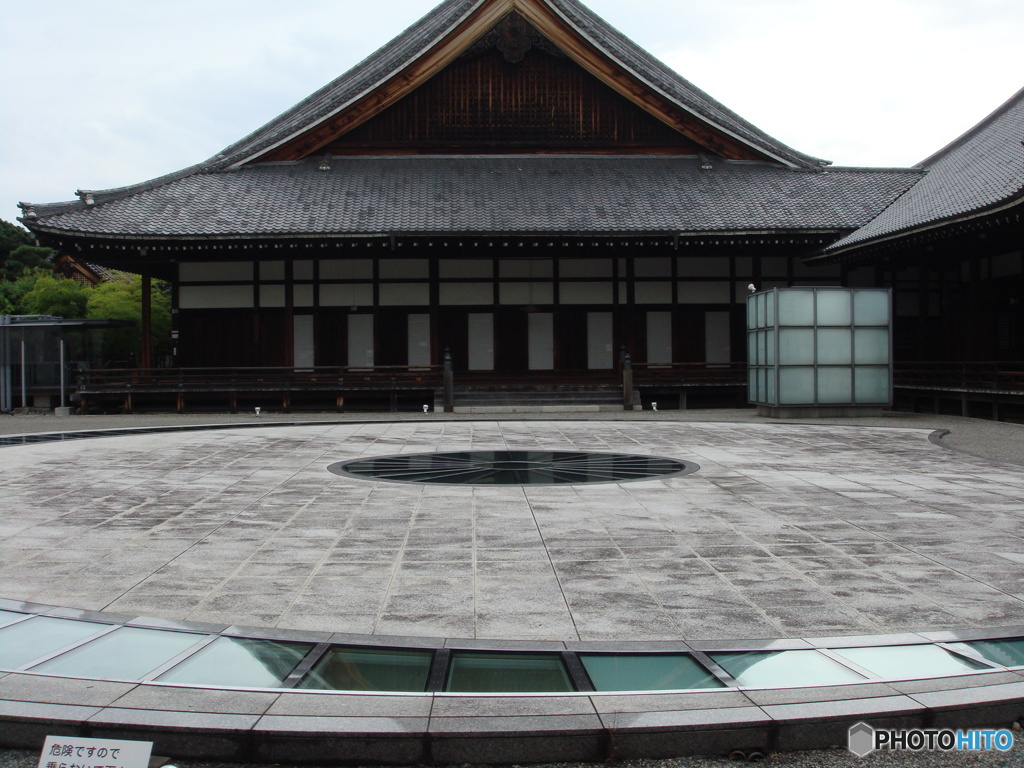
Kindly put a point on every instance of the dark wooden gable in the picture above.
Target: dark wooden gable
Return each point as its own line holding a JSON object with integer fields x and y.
{"x": 513, "y": 91}
{"x": 512, "y": 77}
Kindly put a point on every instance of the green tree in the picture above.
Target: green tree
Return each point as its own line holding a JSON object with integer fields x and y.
{"x": 123, "y": 301}
{"x": 11, "y": 236}
{"x": 25, "y": 257}
{"x": 57, "y": 296}
{"x": 17, "y": 252}
{"x": 13, "y": 292}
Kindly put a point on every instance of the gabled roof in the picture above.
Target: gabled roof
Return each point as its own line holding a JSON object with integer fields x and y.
{"x": 436, "y": 40}
{"x": 456, "y": 24}
{"x": 979, "y": 173}
{"x": 545, "y": 194}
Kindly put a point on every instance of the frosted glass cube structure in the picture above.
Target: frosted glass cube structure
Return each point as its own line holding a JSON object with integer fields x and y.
{"x": 819, "y": 348}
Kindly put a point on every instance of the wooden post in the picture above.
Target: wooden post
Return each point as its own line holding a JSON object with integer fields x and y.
{"x": 63, "y": 374}
{"x": 449, "y": 383}
{"x": 24, "y": 373}
{"x": 146, "y": 352}
{"x": 627, "y": 383}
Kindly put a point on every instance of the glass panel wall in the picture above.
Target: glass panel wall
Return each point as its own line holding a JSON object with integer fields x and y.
{"x": 820, "y": 346}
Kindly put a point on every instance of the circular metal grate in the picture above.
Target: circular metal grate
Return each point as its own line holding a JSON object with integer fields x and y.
{"x": 513, "y": 468}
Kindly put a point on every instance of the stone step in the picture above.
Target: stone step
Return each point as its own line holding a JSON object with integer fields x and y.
{"x": 551, "y": 409}
{"x": 504, "y": 399}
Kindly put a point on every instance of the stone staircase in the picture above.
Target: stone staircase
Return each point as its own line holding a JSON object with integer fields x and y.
{"x": 508, "y": 399}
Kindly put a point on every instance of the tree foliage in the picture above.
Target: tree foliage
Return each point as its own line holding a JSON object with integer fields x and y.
{"x": 58, "y": 296}
{"x": 21, "y": 265}
{"x": 28, "y": 286}
{"x": 17, "y": 253}
{"x": 11, "y": 236}
{"x": 123, "y": 301}
{"x": 25, "y": 257}
{"x": 12, "y": 292}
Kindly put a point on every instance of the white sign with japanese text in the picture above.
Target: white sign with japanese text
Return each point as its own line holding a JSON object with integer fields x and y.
{"x": 75, "y": 752}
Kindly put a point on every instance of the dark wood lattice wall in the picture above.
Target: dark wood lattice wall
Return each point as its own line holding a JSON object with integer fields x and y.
{"x": 486, "y": 103}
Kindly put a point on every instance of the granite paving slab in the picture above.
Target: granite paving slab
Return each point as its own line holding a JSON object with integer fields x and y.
{"x": 786, "y": 530}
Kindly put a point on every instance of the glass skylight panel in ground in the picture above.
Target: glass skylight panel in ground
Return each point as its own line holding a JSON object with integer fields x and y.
{"x": 904, "y": 662}
{"x": 6, "y": 617}
{"x": 236, "y": 662}
{"x": 777, "y": 669}
{"x": 1008, "y": 652}
{"x": 128, "y": 653}
{"x": 371, "y": 669}
{"x": 40, "y": 636}
{"x": 513, "y": 468}
{"x": 479, "y": 672}
{"x": 646, "y": 672}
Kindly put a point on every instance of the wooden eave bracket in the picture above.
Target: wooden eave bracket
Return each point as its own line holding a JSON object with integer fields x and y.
{"x": 556, "y": 28}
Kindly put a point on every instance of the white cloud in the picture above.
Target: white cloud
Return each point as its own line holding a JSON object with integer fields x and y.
{"x": 871, "y": 83}
{"x": 113, "y": 92}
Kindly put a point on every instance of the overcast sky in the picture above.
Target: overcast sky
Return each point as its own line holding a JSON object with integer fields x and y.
{"x": 105, "y": 93}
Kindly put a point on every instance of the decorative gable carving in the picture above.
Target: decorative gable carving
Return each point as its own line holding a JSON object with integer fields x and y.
{"x": 514, "y": 36}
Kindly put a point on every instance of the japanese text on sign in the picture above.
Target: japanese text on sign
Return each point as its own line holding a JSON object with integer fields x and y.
{"x": 74, "y": 752}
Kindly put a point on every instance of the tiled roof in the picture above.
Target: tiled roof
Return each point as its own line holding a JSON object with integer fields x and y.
{"x": 979, "y": 171}
{"x": 500, "y": 194}
{"x": 418, "y": 38}
{"x": 415, "y": 41}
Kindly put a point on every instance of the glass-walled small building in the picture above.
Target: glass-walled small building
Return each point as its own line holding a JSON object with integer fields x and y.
{"x": 34, "y": 352}
{"x": 820, "y": 351}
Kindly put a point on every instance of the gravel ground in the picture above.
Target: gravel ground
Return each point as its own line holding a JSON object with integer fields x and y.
{"x": 831, "y": 758}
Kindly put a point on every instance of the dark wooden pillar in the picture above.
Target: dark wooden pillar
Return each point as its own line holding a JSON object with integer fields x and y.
{"x": 634, "y": 325}
{"x": 924, "y": 346}
{"x": 289, "y": 317}
{"x": 146, "y": 352}
{"x": 974, "y": 348}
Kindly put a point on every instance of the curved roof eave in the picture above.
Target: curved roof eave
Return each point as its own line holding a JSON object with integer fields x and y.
{"x": 841, "y": 248}
{"x": 978, "y": 174}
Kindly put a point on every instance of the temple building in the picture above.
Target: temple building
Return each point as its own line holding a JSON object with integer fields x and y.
{"x": 515, "y": 183}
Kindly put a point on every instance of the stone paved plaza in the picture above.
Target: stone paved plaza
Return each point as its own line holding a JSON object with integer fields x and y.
{"x": 787, "y": 530}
